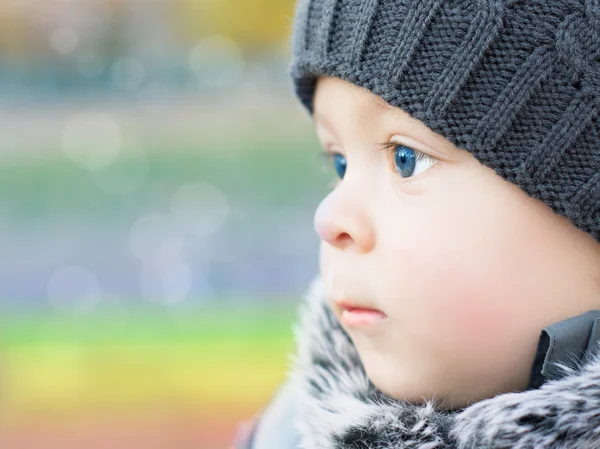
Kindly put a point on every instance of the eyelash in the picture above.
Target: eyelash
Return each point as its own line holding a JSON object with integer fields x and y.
{"x": 390, "y": 148}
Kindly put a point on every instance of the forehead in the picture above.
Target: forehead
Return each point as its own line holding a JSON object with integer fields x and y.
{"x": 333, "y": 95}
{"x": 340, "y": 102}
{"x": 342, "y": 106}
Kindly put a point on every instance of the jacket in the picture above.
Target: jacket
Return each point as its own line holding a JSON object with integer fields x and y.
{"x": 328, "y": 402}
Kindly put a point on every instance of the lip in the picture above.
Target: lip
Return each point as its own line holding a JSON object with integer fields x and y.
{"x": 355, "y": 314}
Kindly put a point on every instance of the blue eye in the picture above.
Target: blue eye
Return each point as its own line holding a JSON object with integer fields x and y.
{"x": 406, "y": 160}
{"x": 339, "y": 162}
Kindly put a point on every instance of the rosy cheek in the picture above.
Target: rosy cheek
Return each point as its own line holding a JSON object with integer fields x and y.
{"x": 467, "y": 304}
{"x": 452, "y": 300}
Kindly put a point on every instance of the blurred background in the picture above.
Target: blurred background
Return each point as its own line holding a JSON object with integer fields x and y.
{"x": 157, "y": 187}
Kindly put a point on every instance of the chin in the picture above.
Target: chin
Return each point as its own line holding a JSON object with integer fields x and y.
{"x": 398, "y": 393}
{"x": 406, "y": 388}
{"x": 415, "y": 394}
{"x": 394, "y": 386}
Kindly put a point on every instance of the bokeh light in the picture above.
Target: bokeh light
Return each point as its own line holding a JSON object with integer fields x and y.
{"x": 166, "y": 279}
{"x": 199, "y": 208}
{"x": 64, "y": 40}
{"x": 92, "y": 140}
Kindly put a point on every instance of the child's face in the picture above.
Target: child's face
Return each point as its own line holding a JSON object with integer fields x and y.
{"x": 467, "y": 267}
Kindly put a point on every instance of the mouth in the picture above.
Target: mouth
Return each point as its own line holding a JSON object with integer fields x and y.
{"x": 355, "y": 314}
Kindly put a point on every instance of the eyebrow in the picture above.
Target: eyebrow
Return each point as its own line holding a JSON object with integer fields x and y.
{"x": 380, "y": 106}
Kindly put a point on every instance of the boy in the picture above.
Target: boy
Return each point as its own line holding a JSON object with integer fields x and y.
{"x": 459, "y": 292}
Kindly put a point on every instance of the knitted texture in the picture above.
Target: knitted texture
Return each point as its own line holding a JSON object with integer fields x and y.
{"x": 516, "y": 83}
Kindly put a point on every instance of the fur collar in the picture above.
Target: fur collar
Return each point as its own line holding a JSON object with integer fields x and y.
{"x": 340, "y": 408}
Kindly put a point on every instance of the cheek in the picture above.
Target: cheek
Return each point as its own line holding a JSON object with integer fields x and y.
{"x": 449, "y": 295}
{"x": 468, "y": 303}
{"x": 460, "y": 289}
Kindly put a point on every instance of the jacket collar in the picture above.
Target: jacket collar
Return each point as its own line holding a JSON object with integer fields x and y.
{"x": 341, "y": 409}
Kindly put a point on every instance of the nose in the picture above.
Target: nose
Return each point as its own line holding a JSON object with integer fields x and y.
{"x": 342, "y": 220}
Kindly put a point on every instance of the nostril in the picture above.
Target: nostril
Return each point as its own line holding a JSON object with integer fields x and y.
{"x": 344, "y": 238}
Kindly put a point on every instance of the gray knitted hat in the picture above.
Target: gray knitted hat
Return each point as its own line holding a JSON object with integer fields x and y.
{"x": 516, "y": 83}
